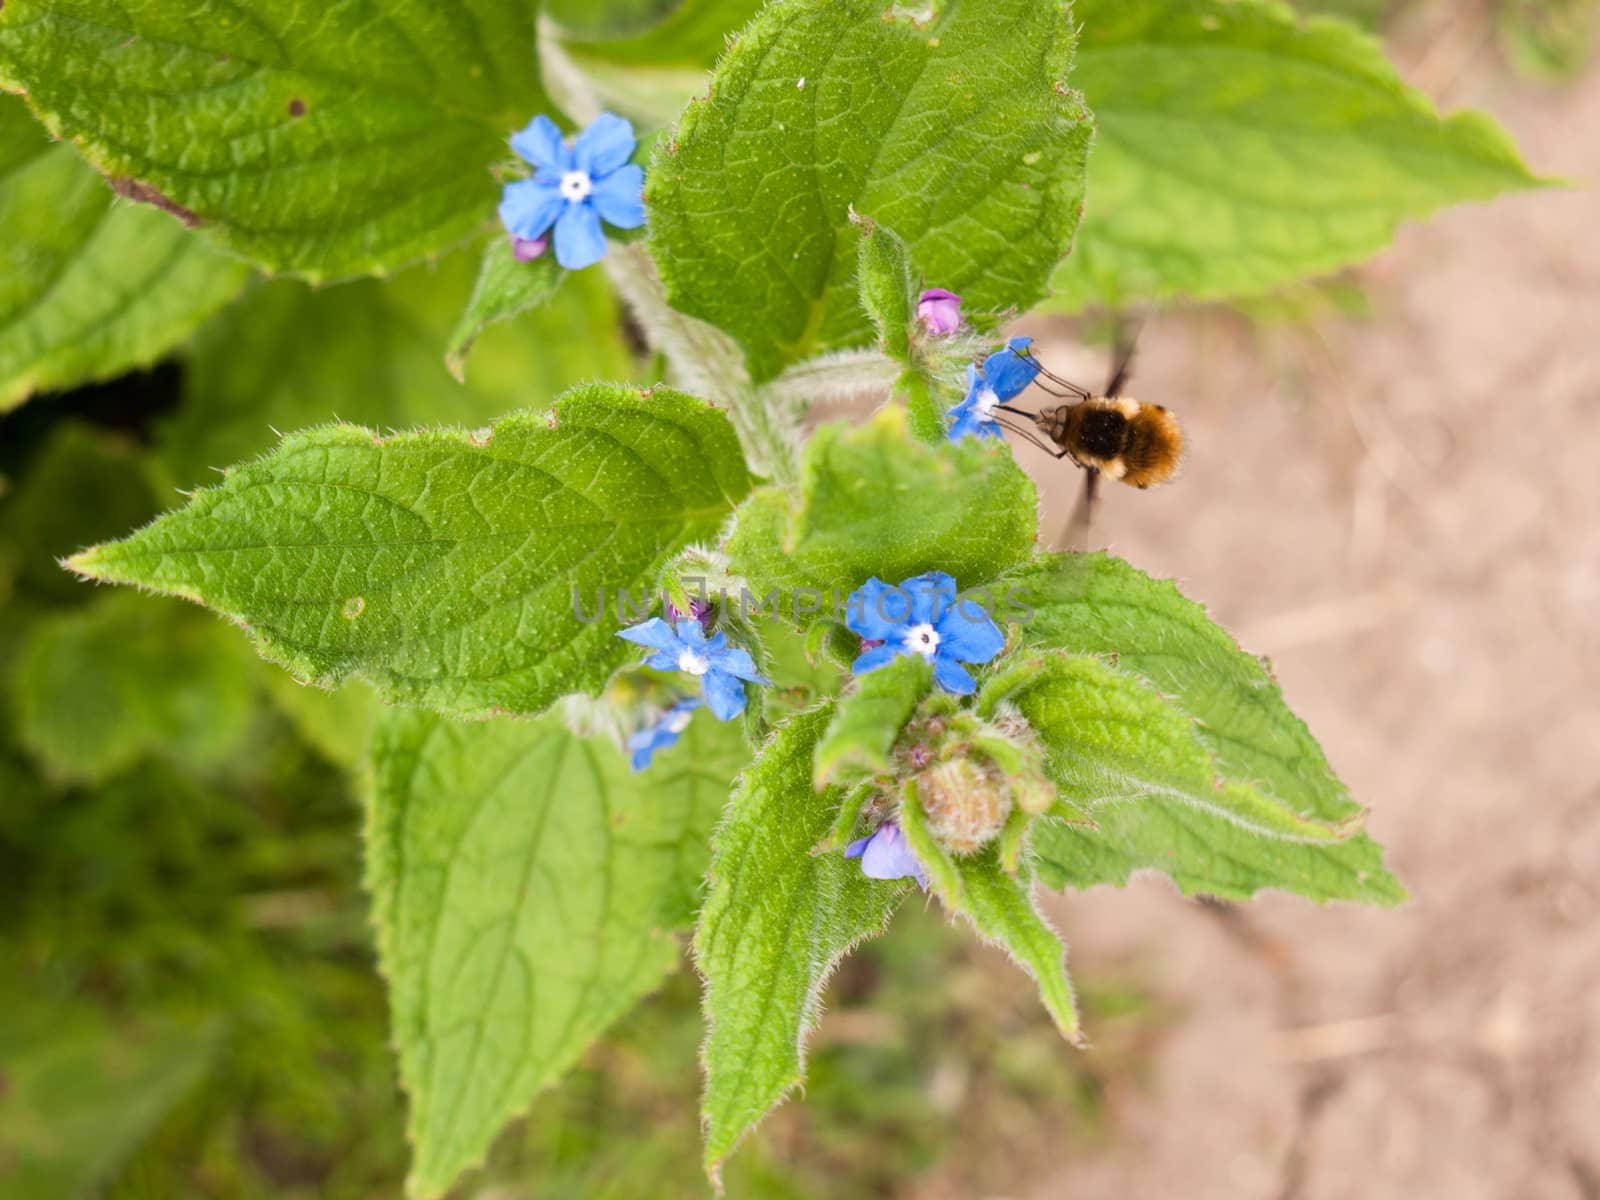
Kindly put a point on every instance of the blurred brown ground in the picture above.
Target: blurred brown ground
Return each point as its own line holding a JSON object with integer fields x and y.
{"x": 1404, "y": 515}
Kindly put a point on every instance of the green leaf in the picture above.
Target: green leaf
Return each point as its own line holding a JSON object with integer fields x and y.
{"x": 81, "y": 1091}
{"x": 1146, "y": 629}
{"x": 1115, "y": 740}
{"x": 328, "y": 142}
{"x": 958, "y": 133}
{"x": 505, "y": 288}
{"x": 90, "y": 286}
{"x": 1002, "y": 911}
{"x": 775, "y": 923}
{"x": 692, "y": 34}
{"x": 526, "y": 888}
{"x": 888, "y": 288}
{"x": 876, "y": 502}
{"x": 443, "y": 566}
{"x": 95, "y": 690}
{"x": 290, "y": 356}
{"x": 1239, "y": 149}
{"x": 868, "y": 720}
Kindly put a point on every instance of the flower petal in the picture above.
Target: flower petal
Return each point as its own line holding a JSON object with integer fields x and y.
{"x": 952, "y": 676}
{"x": 604, "y": 146}
{"x": 738, "y": 662}
{"x": 619, "y": 197}
{"x": 528, "y": 209}
{"x": 724, "y": 694}
{"x": 540, "y": 144}
{"x": 663, "y": 660}
{"x": 1008, "y": 372}
{"x": 875, "y": 610}
{"x": 888, "y": 856}
{"x": 858, "y": 847}
{"x": 933, "y": 593}
{"x": 580, "y": 242}
{"x": 878, "y": 656}
{"x": 968, "y": 634}
{"x": 693, "y": 634}
{"x": 655, "y": 633}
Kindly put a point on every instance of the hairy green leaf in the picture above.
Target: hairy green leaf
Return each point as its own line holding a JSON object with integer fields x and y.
{"x": 443, "y": 566}
{"x": 868, "y": 720}
{"x": 290, "y": 356}
{"x": 888, "y": 288}
{"x": 505, "y": 287}
{"x": 1001, "y": 909}
{"x": 877, "y": 502}
{"x": 90, "y": 286}
{"x": 775, "y": 923}
{"x": 526, "y": 889}
{"x": 97, "y": 689}
{"x": 959, "y": 133}
{"x": 1114, "y": 740}
{"x": 1146, "y": 629}
{"x": 1239, "y": 149}
{"x": 328, "y": 141}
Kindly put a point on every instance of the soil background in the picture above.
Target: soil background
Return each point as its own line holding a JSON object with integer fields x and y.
{"x": 1403, "y": 513}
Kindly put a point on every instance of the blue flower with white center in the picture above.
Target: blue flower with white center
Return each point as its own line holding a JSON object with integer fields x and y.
{"x": 886, "y": 854}
{"x": 1006, "y": 374}
{"x": 923, "y": 616}
{"x": 575, "y": 188}
{"x": 665, "y": 732}
{"x": 685, "y": 647}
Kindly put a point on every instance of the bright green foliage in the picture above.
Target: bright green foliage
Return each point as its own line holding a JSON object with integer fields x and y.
{"x": 90, "y": 286}
{"x": 888, "y": 288}
{"x": 1239, "y": 150}
{"x": 290, "y": 356}
{"x": 1115, "y": 740}
{"x": 867, "y": 721}
{"x": 1098, "y": 605}
{"x": 328, "y": 140}
{"x": 1002, "y": 910}
{"x": 775, "y": 923}
{"x": 442, "y": 566}
{"x": 97, "y": 689}
{"x": 526, "y": 889}
{"x": 877, "y": 502}
{"x": 958, "y": 133}
{"x": 505, "y": 287}
{"x": 81, "y": 1091}
{"x": 82, "y": 486}
{"x": 692, "y": 34}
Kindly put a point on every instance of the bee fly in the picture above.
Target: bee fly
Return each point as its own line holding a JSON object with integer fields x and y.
{"x": 1110, "y": 434}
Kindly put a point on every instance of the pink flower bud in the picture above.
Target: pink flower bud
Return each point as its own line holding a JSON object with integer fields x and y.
{"x": 939, "y": 311}
{"x": 528, "y": 249}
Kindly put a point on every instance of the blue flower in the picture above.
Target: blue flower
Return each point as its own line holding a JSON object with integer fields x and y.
{"x": 685, "y": 647}
{"x": 887, "y": 855}
{"x": 574, "y": 188}
{"x": 665, "y": 732}
{"x": 1006, "y": 375}
{"x": 923, "y": 616}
